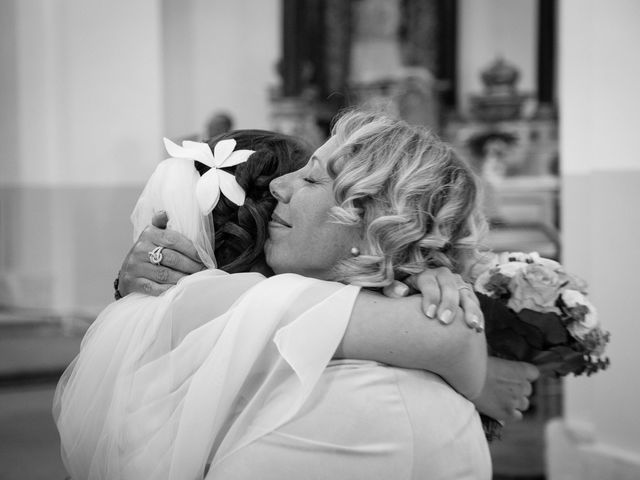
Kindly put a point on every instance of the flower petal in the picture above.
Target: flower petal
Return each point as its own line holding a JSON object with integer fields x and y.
{"x": 200, "y": 150}
{"x": 239, "y": 156}
{"x": 190, "y": 150}
{"x": 208, "y": 191}
{"x": 176, "y": 151}
{"x": 222, "y": 150}
{"x": 230, "y": 188}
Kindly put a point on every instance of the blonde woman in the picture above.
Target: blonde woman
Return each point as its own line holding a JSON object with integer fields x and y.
{"x": 379, "y": 201}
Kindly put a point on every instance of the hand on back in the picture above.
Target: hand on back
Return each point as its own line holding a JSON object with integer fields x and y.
{"x": 179, "y": 259}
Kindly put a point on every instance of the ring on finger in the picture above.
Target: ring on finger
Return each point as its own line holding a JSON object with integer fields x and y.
{"x": 465, "y": 287}
{"x": 155, "y": 255}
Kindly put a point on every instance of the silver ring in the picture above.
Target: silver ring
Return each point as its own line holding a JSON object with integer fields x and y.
{"x": 465, "y": 287}
{"x": 155, "y": 255}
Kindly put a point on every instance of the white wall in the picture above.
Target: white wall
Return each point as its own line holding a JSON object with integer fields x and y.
{"x": 219, "y": 55}
{"x": 88, "y": 88}
{"x": 81, "y": 126}
{"x": 8, "y": 97}
{"x": 599, "y": 437}
{"x": 489, "y": 29}
{"x": 88, "y": 91}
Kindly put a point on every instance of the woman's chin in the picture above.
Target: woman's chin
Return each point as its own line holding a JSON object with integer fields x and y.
{"x": 270, "y": 255}
{"x": 276, "y": 257}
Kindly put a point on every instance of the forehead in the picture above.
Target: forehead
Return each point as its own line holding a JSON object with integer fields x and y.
{"x": 326, "y": 150}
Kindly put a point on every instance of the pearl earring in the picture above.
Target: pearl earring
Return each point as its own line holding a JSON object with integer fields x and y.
{"x": 355, "y": 251}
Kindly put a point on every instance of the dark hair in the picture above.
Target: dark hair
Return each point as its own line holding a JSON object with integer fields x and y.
{"x": 240, "y": 232}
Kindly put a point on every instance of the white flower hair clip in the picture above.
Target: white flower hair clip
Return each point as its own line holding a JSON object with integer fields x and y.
{"x": 215, "y": 180}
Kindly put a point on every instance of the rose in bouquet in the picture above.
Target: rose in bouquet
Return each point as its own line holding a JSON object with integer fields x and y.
{"x": 539, "y": 313}
{"x": 536, "y": 312}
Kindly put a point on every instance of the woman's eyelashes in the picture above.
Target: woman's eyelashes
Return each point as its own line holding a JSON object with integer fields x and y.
{"x": 315, "y": 176}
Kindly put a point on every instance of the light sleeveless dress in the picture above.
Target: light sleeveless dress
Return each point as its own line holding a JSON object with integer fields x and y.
{"x": 369, "y": 421}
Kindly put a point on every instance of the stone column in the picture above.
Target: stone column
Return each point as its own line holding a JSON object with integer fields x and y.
{"x": 82, "y": 103}
{"x": 598, "y": 438}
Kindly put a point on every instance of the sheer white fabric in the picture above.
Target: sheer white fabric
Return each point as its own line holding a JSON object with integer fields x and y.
{"x": 249, "y": 391}
{"x": 159, "y": 382}
{"x": 142, "y": 402}
{"x": 172, "y": 188}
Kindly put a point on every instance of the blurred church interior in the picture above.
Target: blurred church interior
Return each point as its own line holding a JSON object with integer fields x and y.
{"x": 538, "y": 95}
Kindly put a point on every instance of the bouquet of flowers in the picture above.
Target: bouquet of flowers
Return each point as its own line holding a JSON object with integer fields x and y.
{"x": 536, "y": 312}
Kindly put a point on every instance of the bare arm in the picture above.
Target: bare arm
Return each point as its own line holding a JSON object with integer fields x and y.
{"x": 396, "y": 332}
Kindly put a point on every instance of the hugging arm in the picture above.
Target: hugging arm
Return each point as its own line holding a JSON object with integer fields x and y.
{"x": 393, "y": 332}
{"x": 396, "y": 332}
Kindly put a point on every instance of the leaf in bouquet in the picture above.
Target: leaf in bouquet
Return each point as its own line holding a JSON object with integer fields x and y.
{"x": 575, "y": 364}
{"x": 559, "y": 360}
{"x": 543, "y": 357}
{"x": 496, "y": 314}
{"x": 530, "y": 333}
{"x": 506, "y": 343}
{"x": 596, "y": 364}
{"x": 549, "y": 324}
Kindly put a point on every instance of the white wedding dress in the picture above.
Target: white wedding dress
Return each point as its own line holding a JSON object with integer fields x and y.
{"x": 230, "y": 377}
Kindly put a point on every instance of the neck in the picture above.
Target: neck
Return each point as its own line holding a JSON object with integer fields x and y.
{"x": 263, "y": 268}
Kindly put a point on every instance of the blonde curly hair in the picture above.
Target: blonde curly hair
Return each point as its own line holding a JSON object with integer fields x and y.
{"x": 414, "y": 199}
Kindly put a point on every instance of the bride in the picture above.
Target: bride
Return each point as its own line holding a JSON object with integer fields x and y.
{"x": 233, "y": 371}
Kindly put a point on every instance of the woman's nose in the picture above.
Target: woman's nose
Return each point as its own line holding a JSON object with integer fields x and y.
{"x": 277, "y": 187}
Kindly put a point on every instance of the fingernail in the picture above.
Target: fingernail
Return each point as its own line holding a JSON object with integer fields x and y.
{"x": 480, "y": 327}
{"x": 431, "y": 311}
{"x": 401, "y": 289}
{"x": 473, "y": 321}
{"x": 446, "y": 317}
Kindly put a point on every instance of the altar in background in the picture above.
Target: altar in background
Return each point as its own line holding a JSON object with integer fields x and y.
{"x": 512, "y": 143}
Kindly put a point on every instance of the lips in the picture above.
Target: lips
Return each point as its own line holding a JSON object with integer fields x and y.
{"x": 275, "y": 218}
